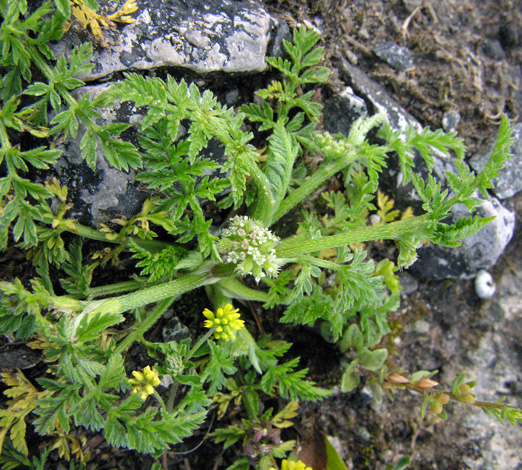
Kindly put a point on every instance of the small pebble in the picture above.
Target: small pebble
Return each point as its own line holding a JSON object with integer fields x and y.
{"x": 408, "y": 283}
{"x": 484, "y": 285}
{"x": 493, "y": 49}
{"x": 450, "y": 120}
{"x": 421, "y": 327}
{"x": 398, "y": 57}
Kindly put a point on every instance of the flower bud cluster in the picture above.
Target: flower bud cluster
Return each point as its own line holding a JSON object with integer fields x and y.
{"x": 332, "y": 145}
{"x": 438, "y": 401}
{"x": 465, "y": 395}
{"x": 249, "y": 246}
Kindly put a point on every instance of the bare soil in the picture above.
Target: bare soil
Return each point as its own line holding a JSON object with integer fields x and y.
{"x": 466, "y": 54}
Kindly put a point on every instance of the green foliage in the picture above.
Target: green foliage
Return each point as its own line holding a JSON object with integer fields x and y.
{"x": 77, "y": 284}
{"x": 403, "y": 462}
{"x": 425, "y": 142}
{"x": 329, "y": 280}
{"x": 160, "y": 265}
{"x": 24, "y": 42}
{"x": 291, "y": 384}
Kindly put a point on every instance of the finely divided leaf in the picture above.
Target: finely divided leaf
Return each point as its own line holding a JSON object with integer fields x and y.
{"x": 292, "y": 384}
{"x": 450, "y": 235}
{"x": 92, "y": 324}
{"x": 282, "y": 152}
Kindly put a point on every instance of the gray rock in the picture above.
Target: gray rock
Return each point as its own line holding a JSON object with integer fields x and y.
{"x": 342, "y": 110}
{"x": 211, "y": 36}
{"x": 363, "y": 434}
{"x": 377, "y": 99}
{"x": 421, "y": 327}
{"x": 281, "y": 33}
{"x": 509, "y": 180}
{"x": 495, "y": 365}
{"x": 480, "y": 251}
{"x": 493, "y": 49}
{"x": 510, "y": 34}
{"x": 450, "y": 120}
{"x": 174, "y": 330}
{"x": 396, "y": 56}
{"x": 100, "y": 195}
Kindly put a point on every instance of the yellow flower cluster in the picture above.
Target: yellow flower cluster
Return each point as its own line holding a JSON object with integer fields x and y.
{"x": 225, "y": 320}
{"x": 144, "y": 382}
{"x": 289, "y": 465}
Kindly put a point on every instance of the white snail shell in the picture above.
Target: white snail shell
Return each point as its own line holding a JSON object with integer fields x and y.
{"x": 484, "y": 285}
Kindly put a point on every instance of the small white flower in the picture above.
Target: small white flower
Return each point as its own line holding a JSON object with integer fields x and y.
{"x": 249, "y": 246}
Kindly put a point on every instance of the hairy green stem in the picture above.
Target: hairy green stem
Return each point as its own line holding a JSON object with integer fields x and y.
{"x": 393, "y": 230}
{"x": 200, "y": 342}
{"x": 173, "y": 391}
{"x": 152, "y": 317}
{"x": 93, "y": 234}
{"x": 165, "y": 294}
{"x": 155, "y": 293}
{"x": 323, "y": 174}
{"x": 160, "y": 401}
{"x": 233, "y": 288}
{"x": 113, "y": 289}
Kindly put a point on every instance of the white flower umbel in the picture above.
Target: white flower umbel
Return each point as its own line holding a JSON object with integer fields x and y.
{"x": 249, "y": 246}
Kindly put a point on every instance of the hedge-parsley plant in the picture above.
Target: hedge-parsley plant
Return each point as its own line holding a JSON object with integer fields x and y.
{"x": 87, "y": 385}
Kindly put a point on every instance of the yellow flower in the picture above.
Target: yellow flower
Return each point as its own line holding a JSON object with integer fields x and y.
{"x": 289, "y": 465}
{"x": 225, "y": 320}
{"x": 144, "y": 382}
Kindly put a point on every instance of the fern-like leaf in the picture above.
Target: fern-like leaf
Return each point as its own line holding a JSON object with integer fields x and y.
{"x": 450, "y": 235}
{"x": 282, "y": 152}
{"x": 292, "y": 384}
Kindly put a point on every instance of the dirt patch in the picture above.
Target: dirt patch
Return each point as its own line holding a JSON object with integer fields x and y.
{"x": 466, "y": 54}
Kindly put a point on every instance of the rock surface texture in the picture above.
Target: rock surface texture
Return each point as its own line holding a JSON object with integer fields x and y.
{"x": 201, "y": 36}
{"x": 102, "y": 194}
{"x": 509, "y": 180}
{"x": 398, "y": 57}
